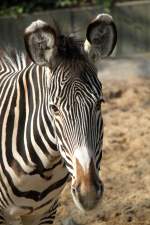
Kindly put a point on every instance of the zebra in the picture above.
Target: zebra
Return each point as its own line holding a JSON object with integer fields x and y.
{"x": 51, "y": 126}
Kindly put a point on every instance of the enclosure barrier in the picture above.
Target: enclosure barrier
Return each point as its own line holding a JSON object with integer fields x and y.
{"x": 132, "y": 19}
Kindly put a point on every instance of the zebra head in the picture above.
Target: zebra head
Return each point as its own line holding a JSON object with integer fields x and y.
{"x": 75, "y": 97}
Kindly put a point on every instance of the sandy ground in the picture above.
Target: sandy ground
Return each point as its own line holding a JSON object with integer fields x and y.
{"x": 125, "y": 168}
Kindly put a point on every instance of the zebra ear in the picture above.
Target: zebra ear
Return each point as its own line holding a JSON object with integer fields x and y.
{"x": 101, "y": 37}
{"x": 40, "y": 42}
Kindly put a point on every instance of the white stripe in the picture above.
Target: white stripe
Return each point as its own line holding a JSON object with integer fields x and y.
{"x": 31, "y": 163}
{"x": 84, "y": 157}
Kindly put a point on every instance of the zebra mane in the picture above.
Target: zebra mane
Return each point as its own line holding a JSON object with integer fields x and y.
{"x": 70, "y": 47}
{"x": 16, "y": 59}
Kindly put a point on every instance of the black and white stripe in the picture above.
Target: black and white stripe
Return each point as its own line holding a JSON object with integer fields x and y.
{"x": 50, "y": 116}
{"x": 79, "y": 107}
{"x": 31, "y": 171}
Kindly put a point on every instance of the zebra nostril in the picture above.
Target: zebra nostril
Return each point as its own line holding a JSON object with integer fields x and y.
{"x": 76, "y": 189}
{"x": 73, "y": 190}
{"x": 100, "y": 190}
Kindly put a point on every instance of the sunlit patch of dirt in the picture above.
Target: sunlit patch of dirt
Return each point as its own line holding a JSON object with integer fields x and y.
{"x": 125, "y": 168}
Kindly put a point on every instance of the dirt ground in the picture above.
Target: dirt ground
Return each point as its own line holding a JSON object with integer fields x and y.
{"x": 125, "y": 168}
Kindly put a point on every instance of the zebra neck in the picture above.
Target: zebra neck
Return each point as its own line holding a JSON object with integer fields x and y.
{"x": 26, "y": 130}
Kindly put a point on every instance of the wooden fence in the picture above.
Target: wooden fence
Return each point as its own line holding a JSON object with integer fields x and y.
{"x": 69, "y": 21}
{"x": 133, "y": 25}
{"x": 132, "y": 19}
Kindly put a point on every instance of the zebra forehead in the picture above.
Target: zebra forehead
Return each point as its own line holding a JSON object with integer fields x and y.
{"x": 78, "y": 86}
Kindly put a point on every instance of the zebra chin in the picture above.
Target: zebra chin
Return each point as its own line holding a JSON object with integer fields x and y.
{"x": 86, "y": 188}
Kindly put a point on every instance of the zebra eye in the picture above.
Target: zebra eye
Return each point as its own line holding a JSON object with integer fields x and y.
{"x": 98, "y": 105}
{"x": 54, "y": 109}
{"x": 99, "y": 102}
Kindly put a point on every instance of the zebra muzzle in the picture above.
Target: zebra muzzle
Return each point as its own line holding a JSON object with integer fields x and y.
{"x": 87, "y": 200}
{"x": 87, "y": 188}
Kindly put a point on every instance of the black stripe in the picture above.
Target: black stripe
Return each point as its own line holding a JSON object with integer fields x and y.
{"x": 35, "y": 195}
{"x": 21, "y": 122}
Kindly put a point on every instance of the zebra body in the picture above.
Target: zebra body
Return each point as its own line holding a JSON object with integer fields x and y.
{"x": 30, "y": 162}
{"x": 50, "y": 123}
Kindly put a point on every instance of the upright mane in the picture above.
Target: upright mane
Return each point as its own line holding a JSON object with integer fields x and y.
{"x": 18, "y": 60}
{"x": 70, "y": 47}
